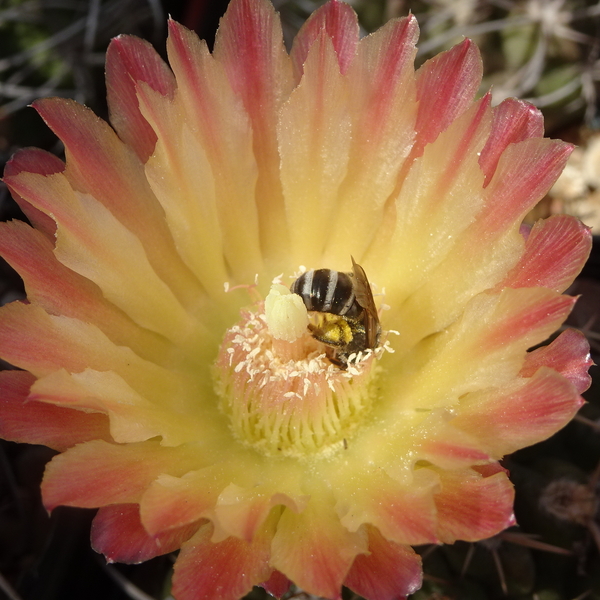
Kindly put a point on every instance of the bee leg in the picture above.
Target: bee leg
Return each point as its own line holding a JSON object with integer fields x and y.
{"x": 335, "y": 358}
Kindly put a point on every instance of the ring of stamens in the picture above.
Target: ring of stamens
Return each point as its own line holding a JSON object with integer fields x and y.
{"x": 286, "y": 398}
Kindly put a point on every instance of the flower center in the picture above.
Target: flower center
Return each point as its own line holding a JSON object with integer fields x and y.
{"x": 281, "y": 392}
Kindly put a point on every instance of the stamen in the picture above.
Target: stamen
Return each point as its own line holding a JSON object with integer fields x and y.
{"x": 280, "y": 391}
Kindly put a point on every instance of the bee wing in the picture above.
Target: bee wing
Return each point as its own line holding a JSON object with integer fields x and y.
{"x": 364, "y": 296}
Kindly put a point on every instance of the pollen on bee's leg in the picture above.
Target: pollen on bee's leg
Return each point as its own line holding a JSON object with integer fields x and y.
{"x": 281, "y": 393}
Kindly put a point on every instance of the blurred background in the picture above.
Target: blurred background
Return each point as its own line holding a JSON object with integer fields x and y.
{"x": 544, "y": 51}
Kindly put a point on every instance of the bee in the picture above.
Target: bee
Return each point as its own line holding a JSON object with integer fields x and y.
{"x": 344, "y": 316}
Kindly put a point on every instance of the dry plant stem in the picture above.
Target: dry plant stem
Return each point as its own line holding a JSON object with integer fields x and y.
{"x": 468, "y": 558}
{"x": 125, "y": 585}
{"x": 527, "y": 541}
{"x": 500, "y": 571}
{"x": 586, "y": 421}
{"x": 10, "y": 592}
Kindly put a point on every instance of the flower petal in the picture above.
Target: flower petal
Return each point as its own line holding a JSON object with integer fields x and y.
{"x": 466, "y": 357}
{"x": 93, "y": 243}
{"x": 218, "y": 117}
{"x": 249, "y": 45}
{"x": 98, "y": 473}
{"x": 472, "y": 507}
{"x": 555, "y": 252}
{"x": 403, "y": 511}
{"x": 277, "y": 585}
{"x": 446, "y": 86}
{"x": 133, "y": 417}
{"x": 492, "y": 245}
{"x": 523, "y": 413}
{"x": 211, "y": 492}
{"x": 33, "y": 160}
{"x": 447, "y": 447}
{"x": 431, "y": 212}
{"x": 314, "y": 138}
{"x": 117, "y": 532}
{"x": 241, "y": 511}
{"x": 32, "y": 422}
{"x": 569, "y": 354}
{"x": 226, "y": 570}
{"x": 33, "y": 340}
{"x": 182, "y": 179}
{"x": 383, "y": 107}
{"x": 59, "y": 290}
{"x": 339, "y": 22}
{"x": 109, "y": 171}
{"x": 42, "y": 343}
{"x": 513, "y": 121}
{"x": 172, "y": 502}
{"x": 389, "y": 572}
{"x": 314, "y": 550}
{"x": 525, "y": 172}
{"x": 128, "y": 61}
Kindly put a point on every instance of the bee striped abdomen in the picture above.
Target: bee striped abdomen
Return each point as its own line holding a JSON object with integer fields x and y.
{"x": 325, "y": 290}
{"x": 342, "y": 312}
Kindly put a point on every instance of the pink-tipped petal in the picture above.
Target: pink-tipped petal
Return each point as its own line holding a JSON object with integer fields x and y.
{"x": 314, "y": 133}
{"x": 43, "y": 344}
{"x": 117, "y": 532}
{"x": 555, "y": 252}
{"x": 249, "y": 45}
{"x": 32, "y": 422}
{"x": 314, "y": 550}
{"x": 451, "y": 449}
{"x": 485, "y": 347}
{"x": 489, "y": 248}
{"x": 513, "y": 121}
{"x": 472, "y": 507}
{"x": 133, "y": 415}
{"x": 242, "y": 511}
{"x": 59, "y": 290}
{"x": 99, "y": 163}
{"x": 87, "y": 230}
{"x": 33, "y": 340}
{"x": 446, "y": 86}
{"x": 340, "y": 23}
{"x": 177, "y": 501}
{"x": 527, "y": 316}
{"x": 432, "y": 213}
{"x": 215, "y": 492}
{"x": 182, "y": 179}
{"x": 525, "y": 172}
{"x": 569, "y": 354}
{"x": 97, "y": 473}
{"x": 382, "y": 95}
{"x": 525, "y": 413}
{"x": 402, "y": 512}
{"x": 389, "y": 572}
{"x": 129, "y": 60}
{"x": 225, "y": 570}
{"x": 218, "y": 116}
{"x": 277, "y": 585}
{"x": 34, "y": 160}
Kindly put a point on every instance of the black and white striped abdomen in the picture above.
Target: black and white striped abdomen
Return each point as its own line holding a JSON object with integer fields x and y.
{"x": 324, "y": 290}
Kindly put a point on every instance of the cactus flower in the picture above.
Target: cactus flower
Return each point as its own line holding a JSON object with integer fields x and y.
{"x": 182, "y": 383}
